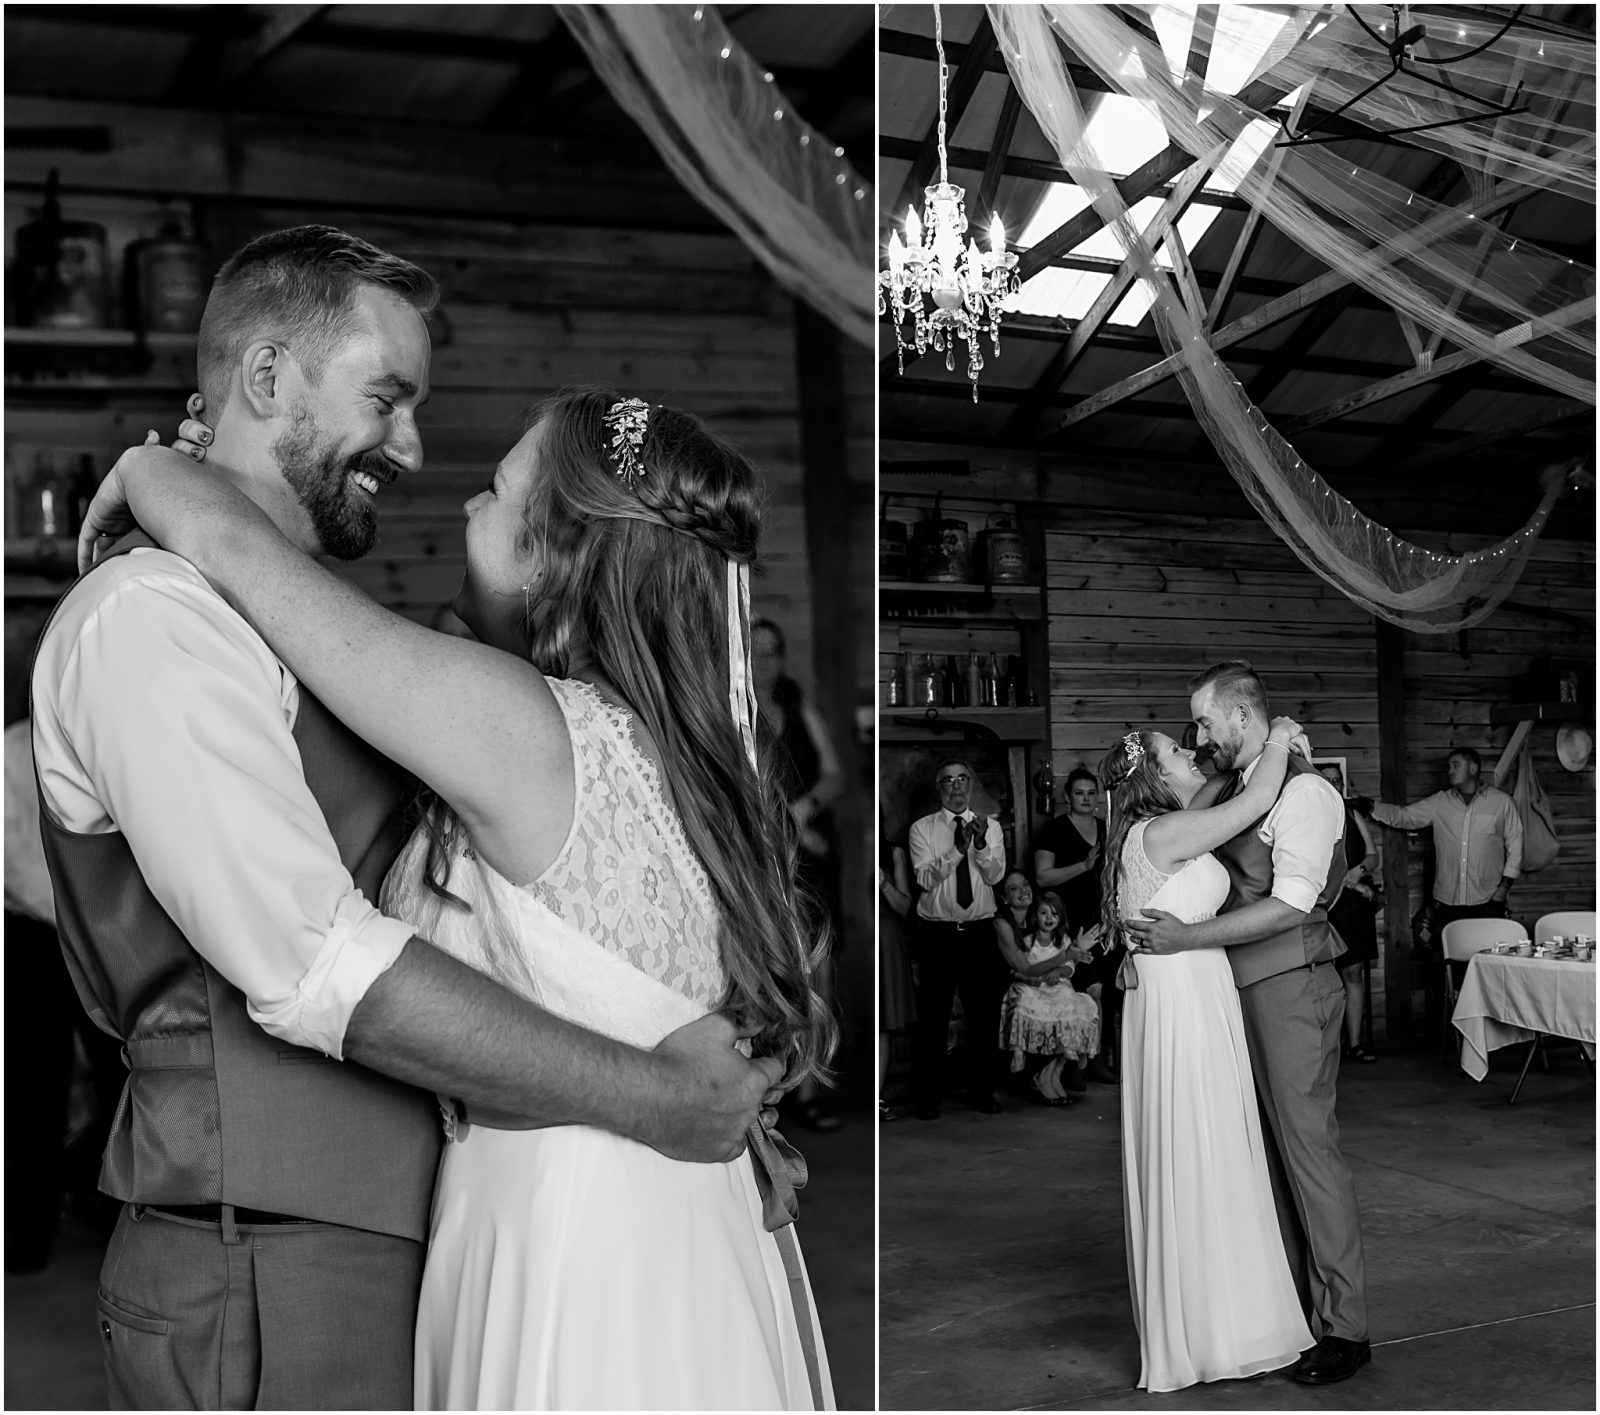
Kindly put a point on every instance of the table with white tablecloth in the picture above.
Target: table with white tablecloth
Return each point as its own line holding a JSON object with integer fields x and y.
{"x": 1507, "y": 999}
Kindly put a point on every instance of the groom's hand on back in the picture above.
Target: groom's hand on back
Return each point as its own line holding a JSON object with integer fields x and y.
{"x": 1157, "y": 932}
{"x": 714, "y": 1093}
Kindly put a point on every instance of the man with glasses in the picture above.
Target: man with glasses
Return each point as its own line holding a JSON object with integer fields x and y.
{"x": 958, "y": 856}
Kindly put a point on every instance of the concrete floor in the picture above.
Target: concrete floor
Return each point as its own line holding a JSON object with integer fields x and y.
{"x": 52, "y": 1352}
{"x": 1003, "y": 1285}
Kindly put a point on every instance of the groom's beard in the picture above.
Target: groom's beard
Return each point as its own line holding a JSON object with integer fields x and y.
{"x": 344, "y": 521}
{"x": 1225, "y": 754}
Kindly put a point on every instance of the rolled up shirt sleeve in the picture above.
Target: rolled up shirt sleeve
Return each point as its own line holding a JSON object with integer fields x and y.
{"x": 172, "y": 716}
{"x": 1303, "y": 830}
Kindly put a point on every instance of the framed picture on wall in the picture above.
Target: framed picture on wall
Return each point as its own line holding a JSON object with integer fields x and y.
{"x": 1344, "y": 775}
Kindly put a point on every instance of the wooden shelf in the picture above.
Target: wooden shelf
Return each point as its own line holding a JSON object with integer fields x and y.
{"x": 97, "y": 339}
{"x": 1539, "y": 712}
{"x": 912, "y": 599}
{"x": 1018, "y": 725}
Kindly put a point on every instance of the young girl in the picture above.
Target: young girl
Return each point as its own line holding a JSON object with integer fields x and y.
{"x": 1042, "y": 1015}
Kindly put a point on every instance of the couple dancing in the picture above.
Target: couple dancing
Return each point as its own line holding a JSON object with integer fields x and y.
{"x": 599, "y": 882}
{"x": 1233, "y": 1013}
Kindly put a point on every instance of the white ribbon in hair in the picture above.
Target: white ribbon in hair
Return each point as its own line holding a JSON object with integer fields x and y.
{"x": 741, "y": 687}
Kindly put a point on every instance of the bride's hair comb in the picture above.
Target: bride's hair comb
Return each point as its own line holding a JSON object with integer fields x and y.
{"x": 628, "y": 419}
{"x": 1134, "y": 749}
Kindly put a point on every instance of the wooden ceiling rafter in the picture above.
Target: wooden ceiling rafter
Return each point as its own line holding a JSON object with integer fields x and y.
{"x": 1437, "y": 369}
{"x": 1459, "y": 448}
{"x": 224, "y": 54}
{"x": 1059, "y": 369}
{"x": 1297, "y": 300}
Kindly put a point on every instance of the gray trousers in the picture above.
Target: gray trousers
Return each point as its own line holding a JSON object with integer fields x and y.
{"x": 272, "y": 1317}
{"x": 1292, "y": 1025}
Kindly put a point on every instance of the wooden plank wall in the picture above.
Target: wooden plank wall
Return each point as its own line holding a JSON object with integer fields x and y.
{"x": 1139, "y": 604}
{"x": 1452, "y": 680}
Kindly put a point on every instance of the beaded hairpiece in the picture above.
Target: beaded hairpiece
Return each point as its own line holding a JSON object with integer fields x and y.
{"x": 1134, "y": 748}
{"x": 627, "y": 419}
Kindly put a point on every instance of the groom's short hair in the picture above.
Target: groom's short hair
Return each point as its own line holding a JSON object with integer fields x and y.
{"x": 1233, "y": 683}
{"x": 295, "y": 286}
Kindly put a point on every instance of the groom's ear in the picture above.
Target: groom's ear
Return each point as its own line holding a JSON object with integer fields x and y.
{"x": 262, "y": 369}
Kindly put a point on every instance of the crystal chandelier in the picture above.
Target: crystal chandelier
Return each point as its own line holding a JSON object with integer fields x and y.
{"x": 947, "y": 292}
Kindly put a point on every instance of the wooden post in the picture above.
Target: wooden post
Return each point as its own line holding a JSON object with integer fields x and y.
{"x": 838, "y": 611}
{"x": 1396, "y": 847}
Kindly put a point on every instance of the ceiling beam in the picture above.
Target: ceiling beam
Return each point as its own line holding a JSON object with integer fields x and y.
{"x": 1440, "y": 368}
{"x": 1290, "y": 304}
{"x": 1066, "y": 359}
{"x": 224, "y": 54}
{"x": 921, "y": 46}
{"x": 1464, "y": 447}
{"x": 994, "y": 164}
{"x": 963, "y": 84}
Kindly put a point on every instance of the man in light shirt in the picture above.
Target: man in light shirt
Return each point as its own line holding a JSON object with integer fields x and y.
{"x": 958, "y": 857}
{"x": 1477, "y": 840}
{"x": 1285, "y": 871}
{"x": 215, "y": 839}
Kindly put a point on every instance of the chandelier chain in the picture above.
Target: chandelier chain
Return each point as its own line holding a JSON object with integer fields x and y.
{"x": 938, "y": 41}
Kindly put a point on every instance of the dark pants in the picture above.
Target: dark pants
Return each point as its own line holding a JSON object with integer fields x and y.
{"x": 265, "y": 1317}
{"x": 1292, "y": 1024}
{"x": 951, "y": 959}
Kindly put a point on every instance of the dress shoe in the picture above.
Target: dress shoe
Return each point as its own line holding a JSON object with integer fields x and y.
{"x": 986, "y": 1105}
{"x": 1072, "y": 1077}
{"x": 926, "y": 1110}
{"x": 1097, "y": 1070}
{"x": 1331, "y": 1360}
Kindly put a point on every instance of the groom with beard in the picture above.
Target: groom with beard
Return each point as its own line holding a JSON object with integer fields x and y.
{"x": 1285, "y": 870}
{"x": 215, "y": 838}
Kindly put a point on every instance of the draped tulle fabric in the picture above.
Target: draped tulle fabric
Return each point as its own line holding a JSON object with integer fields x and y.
{"x": 1446, "y": 270}
{"x": 734, "y": 141}
{"x": 1212, "y": 1295}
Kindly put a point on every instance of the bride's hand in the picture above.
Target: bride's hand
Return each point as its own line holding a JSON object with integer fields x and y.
{"x": 111, "y": 513}
{"x": 194, "y": 435}
{"x": 1283, "y": 731}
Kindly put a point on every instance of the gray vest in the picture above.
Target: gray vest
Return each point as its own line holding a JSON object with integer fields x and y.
{"x": 215, "y": 1109}
{"x": 1248, "y": 860}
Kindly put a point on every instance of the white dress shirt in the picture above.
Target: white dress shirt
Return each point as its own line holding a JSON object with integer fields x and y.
{"x": 1475, "y": 843}
{"x": 1302, "y": 828}
{"x": 160, "y": 713}
{"x": 934, "y": 858}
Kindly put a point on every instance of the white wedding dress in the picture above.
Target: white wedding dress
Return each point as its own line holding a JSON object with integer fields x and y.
{"x": 1212, "y": 1295}
{"x": 568, "y": 1268}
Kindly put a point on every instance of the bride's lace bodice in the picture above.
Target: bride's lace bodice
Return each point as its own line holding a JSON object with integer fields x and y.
{"x": 1195, "y": 892}
{"x": 626, "y": 879}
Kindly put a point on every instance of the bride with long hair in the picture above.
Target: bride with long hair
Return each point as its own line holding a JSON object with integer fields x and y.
{"x": 596, "y": 832}
{"x": 1213, "y": 1298}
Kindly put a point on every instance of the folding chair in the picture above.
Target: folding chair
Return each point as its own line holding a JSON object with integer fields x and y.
{"x": 1564, "y": 925}
{"x": 1459, "y": 941}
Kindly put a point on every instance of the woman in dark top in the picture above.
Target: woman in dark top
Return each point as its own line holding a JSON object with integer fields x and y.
{"x": 897, "y": 1009}
{"x": 1354, "y": 917}
{"x": 1067, "y": 855}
